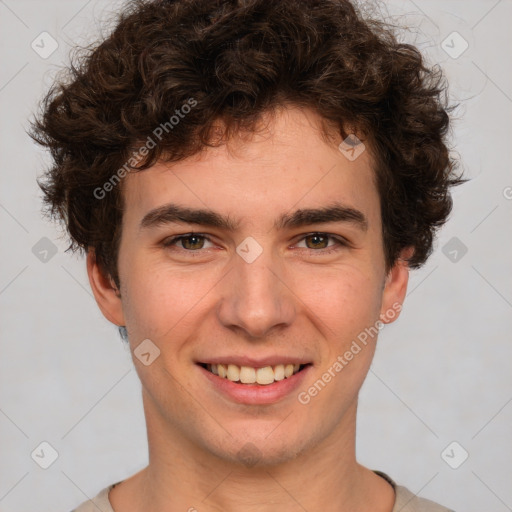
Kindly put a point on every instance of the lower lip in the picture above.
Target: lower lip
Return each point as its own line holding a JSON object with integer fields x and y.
{"x": 256, "y": 394}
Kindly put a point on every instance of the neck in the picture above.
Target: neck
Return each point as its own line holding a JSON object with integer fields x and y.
{"x": 184, "y": 476}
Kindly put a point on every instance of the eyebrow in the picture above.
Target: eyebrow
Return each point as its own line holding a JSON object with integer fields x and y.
{"x": 173, "y": 213}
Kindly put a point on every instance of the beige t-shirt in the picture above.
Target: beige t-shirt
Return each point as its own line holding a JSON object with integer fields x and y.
{"x": 405, "y": 501}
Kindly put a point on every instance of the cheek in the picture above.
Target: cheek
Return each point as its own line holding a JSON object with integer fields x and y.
{"x": 346, "y": 307}
{"x": 344, "y": 302}
{"x": 159, "y": 303}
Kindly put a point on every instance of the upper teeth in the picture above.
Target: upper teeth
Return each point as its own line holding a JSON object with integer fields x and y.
{"x": 248, "y": 375}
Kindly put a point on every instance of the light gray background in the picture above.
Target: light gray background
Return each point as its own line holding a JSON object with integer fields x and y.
{"x": 441, "y": 373}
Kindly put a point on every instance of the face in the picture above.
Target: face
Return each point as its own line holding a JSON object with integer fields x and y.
{"x": 284, "y": 272}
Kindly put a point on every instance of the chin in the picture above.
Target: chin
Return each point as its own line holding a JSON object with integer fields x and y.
{"x": 259, "y": 452}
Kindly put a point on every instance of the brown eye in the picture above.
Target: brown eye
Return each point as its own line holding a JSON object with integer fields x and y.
{"x": 192, "y": 242}
{"x": 321, "y": 243}
{"x": 317, "y": 241}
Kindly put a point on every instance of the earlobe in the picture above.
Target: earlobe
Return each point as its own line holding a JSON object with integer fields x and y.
{"x": 105, "y": 291}
{"x": 395, "y": 288}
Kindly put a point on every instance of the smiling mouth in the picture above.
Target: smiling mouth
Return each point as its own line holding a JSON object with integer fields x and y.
{"x": 248, "y": 375}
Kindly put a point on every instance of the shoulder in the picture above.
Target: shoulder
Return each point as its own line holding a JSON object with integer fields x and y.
{"x": 406, "y": 501}
{"x": 100, "y": 502}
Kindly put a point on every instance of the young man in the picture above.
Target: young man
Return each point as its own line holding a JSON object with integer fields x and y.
{"x": 251, "y": 182}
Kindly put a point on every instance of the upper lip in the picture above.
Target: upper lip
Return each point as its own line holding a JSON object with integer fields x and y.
{"x": 253, "y": 362}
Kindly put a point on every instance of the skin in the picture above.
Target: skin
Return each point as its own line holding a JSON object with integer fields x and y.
{"x": 293, "y": 300}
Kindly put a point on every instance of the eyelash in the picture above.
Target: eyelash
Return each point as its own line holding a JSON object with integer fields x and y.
{"x": 340, "y": 242}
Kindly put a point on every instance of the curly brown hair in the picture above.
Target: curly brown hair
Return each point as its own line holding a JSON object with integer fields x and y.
{"x": 234, "y": 60}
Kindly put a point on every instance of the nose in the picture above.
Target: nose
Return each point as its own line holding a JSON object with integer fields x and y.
{"x": 255, "y": 297}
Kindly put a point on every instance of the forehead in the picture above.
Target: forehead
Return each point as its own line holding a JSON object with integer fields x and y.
{"x": 256, "y": 177}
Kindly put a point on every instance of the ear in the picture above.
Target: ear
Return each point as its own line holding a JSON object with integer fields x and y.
{"x": 395, "y": 287}
{"x": 105, "y": 291}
